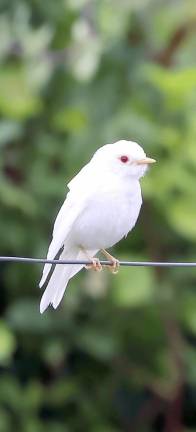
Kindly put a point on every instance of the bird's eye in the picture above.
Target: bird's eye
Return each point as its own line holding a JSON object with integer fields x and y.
{"x": 124, "y": 159}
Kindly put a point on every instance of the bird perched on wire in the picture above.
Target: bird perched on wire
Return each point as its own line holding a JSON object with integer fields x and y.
{"x": 101, "y": 207}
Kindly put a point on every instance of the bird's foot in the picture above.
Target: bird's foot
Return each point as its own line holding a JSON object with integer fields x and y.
{"x": 95, "y": 265}
{"x": 114, "y": 266}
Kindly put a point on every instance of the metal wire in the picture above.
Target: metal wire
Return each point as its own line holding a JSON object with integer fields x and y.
{"x": 105, "y": 263}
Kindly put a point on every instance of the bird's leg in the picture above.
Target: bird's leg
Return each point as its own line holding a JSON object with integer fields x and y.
{"x": 95, "y": 263}
{"x": 114, "y": 267}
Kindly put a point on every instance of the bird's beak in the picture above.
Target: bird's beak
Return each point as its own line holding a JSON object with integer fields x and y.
{"x": 145, "y": 161}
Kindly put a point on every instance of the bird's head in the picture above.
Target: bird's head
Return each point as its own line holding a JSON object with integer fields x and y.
{"x": 125, "y": 158}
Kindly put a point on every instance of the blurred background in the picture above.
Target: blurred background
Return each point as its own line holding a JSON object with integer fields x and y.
{"x": 119, "y": 354}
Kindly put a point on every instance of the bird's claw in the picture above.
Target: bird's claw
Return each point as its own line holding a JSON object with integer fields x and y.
{"x": 95, "y": 265}
{"x": 114, "y": 266}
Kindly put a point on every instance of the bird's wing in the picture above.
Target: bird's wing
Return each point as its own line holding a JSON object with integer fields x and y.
{"x": 74, "y": 204}
{"x": 76, "y": 197}
{"x": 68, "y": 214}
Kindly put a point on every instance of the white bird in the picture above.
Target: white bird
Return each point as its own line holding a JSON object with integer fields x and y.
{"x": 101, "y": 207}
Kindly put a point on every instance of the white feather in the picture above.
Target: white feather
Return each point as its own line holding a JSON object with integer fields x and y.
{"x": 101, "y": 207}
{"x": 61, "y": 275}
{"x": 66, "y": 217}
{"x": 58, "y": 281}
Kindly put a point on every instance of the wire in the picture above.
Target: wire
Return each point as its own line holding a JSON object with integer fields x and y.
{"x": 105, "y": 263}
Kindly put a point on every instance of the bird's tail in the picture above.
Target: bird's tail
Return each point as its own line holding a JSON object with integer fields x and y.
{"x": 60, "y": 277}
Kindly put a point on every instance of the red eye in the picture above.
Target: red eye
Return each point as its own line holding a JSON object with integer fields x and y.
{"x": 124, "y": 159}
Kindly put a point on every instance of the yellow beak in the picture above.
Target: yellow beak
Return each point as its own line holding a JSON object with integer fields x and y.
{"x": 146, "y": 160}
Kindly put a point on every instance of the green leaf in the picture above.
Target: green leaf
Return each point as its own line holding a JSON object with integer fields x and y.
{"x": 24, "y": 316}
{"x": 176, "y": 85}
{"x": 188, "y": 312}
{"x": 133, "y": 286}
{"x": 9, "y": 131}
{"x": 7, "y": 344}
{"x": 18, "y": 99}
{"x": 14, "y": 197}
{"x": 181, "y": 216}
{"x": 70, "y": 119}
{"x": 98, "y": 342}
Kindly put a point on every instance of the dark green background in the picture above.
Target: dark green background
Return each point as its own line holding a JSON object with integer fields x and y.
{"x": 119, "y": 354}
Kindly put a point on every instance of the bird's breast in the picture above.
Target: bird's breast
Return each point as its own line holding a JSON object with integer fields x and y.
{"x": 109, "y": 215}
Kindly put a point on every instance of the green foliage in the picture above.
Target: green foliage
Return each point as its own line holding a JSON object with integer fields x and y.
{"x": 119, "y": 352}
